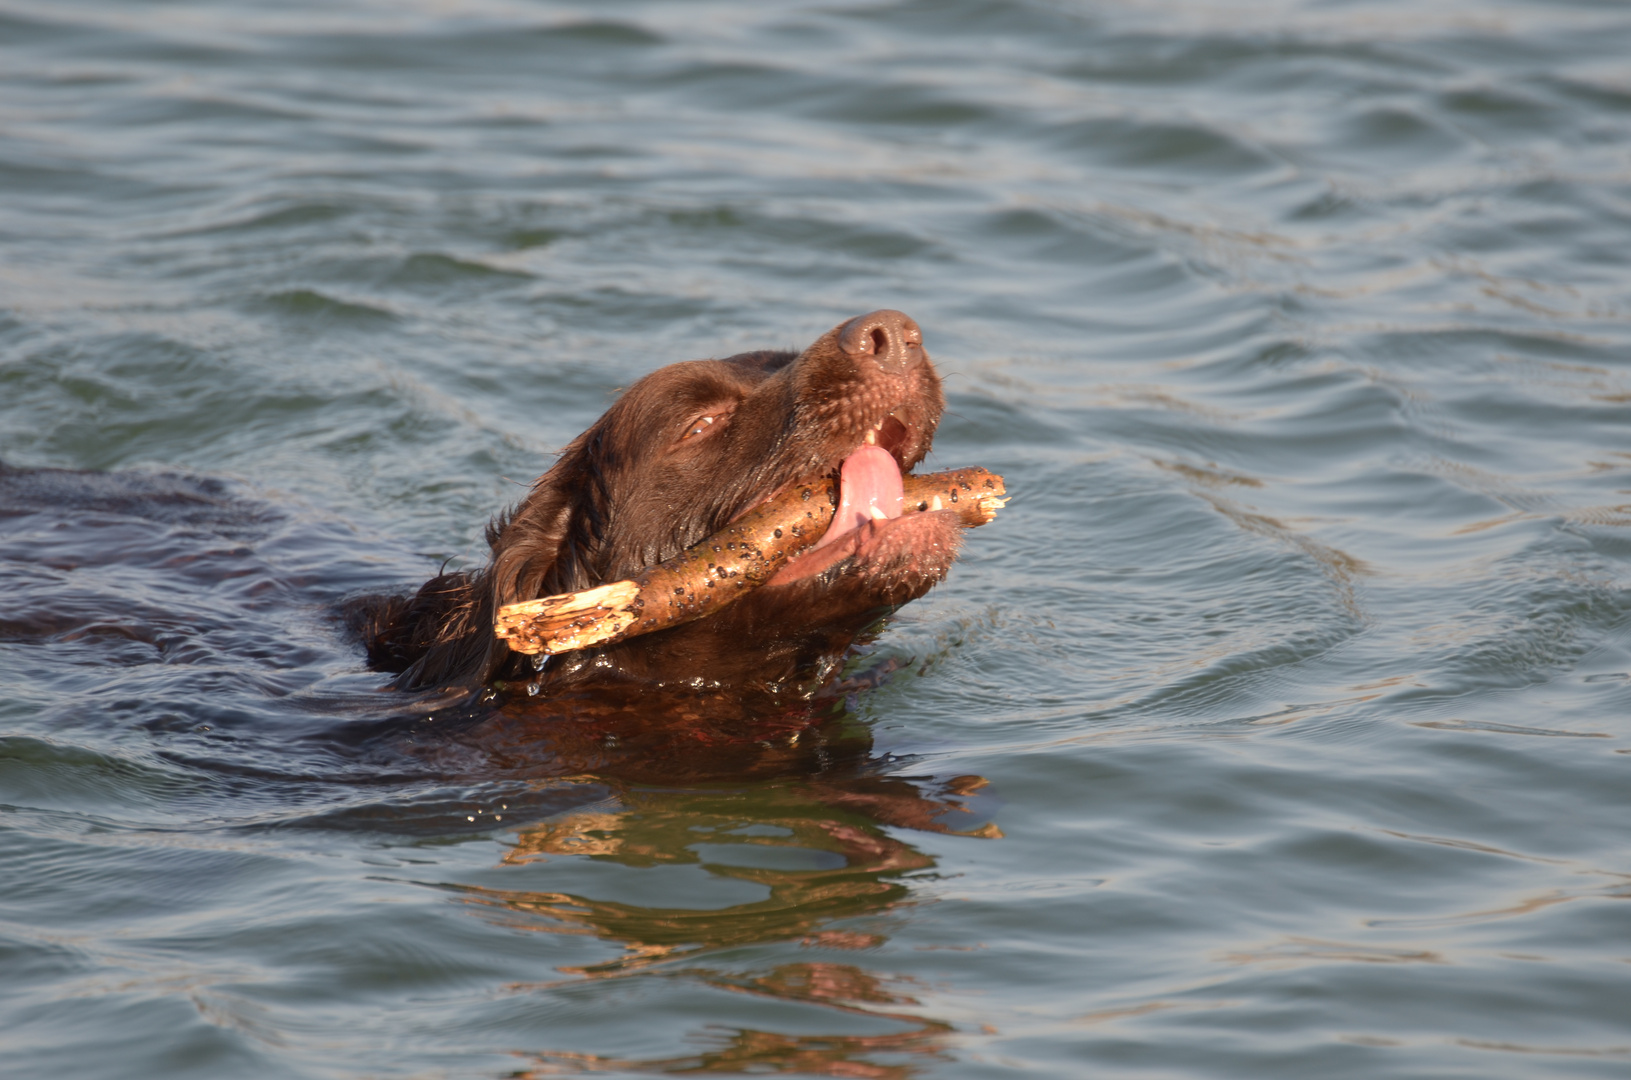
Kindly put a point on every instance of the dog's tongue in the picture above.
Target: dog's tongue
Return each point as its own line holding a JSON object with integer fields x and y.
{"x": 870, "y": 480}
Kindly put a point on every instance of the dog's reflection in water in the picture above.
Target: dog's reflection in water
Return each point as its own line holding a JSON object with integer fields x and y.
{"x": 827, "y": 871}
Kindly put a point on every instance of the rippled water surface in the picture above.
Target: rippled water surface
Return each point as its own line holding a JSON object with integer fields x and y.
{"x": 1281, "y": 727}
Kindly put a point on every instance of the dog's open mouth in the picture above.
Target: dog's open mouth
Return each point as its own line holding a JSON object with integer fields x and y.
{"x": 869, "y": 503}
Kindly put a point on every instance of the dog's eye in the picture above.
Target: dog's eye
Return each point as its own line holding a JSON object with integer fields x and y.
{"x": 698, "y": 426}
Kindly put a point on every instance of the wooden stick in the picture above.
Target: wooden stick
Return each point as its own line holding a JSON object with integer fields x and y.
{"x": 726, "y": 566}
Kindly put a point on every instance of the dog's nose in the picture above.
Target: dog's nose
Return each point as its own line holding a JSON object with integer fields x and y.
{"x": 891, "y": 338}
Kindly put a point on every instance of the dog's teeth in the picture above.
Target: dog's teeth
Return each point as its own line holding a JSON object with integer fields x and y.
{"x": 878, "y": 515}
{"x": 872, "y": 436}
{"x": 936, "y": 504}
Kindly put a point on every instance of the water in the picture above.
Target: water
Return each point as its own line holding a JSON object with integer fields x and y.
{"x": 1279, "y": 728}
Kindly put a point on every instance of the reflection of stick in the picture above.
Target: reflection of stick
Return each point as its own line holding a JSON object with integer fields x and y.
{"x": 725, "y": 567}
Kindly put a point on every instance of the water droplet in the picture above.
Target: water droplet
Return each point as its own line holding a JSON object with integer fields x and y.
{"x": 533, "y": 689}
{"x": 539, "y": 660}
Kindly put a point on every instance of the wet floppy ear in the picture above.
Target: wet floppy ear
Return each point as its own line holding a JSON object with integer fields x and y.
{"x": 547, "y": 544}
{"x": 527, "y": 546}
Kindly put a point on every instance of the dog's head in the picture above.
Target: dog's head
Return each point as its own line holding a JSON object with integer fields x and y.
{"x": 682, "y": 453}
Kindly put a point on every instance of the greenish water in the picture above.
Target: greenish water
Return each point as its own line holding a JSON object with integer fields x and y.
{"x": 1299, "y": 668}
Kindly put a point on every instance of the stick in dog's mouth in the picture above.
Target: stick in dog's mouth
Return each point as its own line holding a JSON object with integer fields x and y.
{"x": 781, "y": 540}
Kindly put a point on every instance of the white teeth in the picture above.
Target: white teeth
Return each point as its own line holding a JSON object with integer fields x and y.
{"x": 878, "y": 515}
{"x": 872, "y": 437}
{"x": 936, "y": 504}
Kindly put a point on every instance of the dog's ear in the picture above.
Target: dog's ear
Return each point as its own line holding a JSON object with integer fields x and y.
{"x": 548, "y": 544}
{"x": 444, "y": 634}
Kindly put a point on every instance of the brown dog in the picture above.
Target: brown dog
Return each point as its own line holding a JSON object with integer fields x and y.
{"x": 683, "y": 452}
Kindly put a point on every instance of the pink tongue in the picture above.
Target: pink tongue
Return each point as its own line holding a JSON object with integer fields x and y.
{"x": 869, "y": 478}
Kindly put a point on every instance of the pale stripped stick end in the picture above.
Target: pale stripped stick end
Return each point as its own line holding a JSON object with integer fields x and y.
{"x": 986, "y": 507}
{"x": 557, "y": 624}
